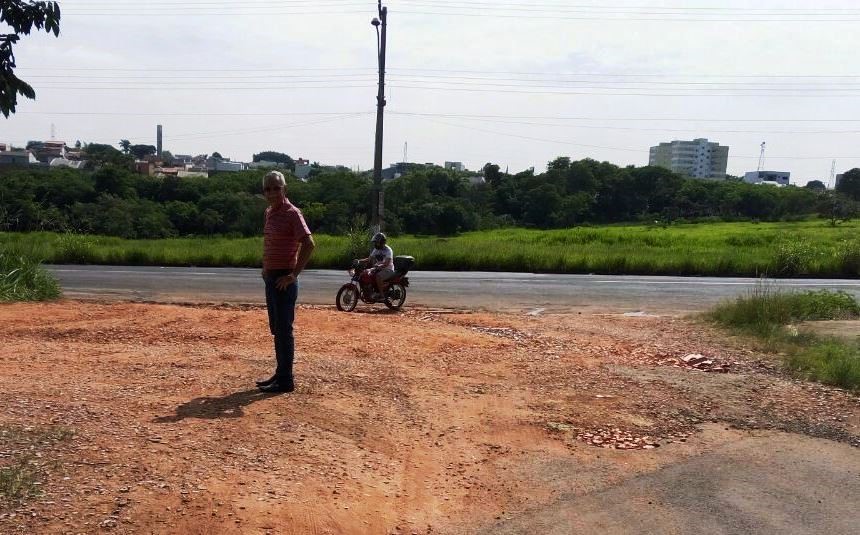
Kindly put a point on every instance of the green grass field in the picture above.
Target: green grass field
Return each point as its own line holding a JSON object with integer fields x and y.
{"x": 808, "y": 248}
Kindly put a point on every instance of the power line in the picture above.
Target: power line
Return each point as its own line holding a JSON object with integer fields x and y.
{"x": 445, "y": 115}
{"x": 224, "y": 133}
{"x": 456, "y": 80}
{"x": 197, "y": 88}
{"x": 424, "y": 69}
{"x": 605, "y": 93}
{"x": 624, "y": 149}
{"x": 631, "y": 129}
{"x": 653, "y": 14}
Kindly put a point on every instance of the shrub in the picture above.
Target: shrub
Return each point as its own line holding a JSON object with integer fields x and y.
{"x": 765, "y": 310}
{"x": 23, "y": 279}
{"x": 75, "y": 249}
{"x": 829, "y": 361}
{"x": 793, "y": 257}
{"x": 848, "y": 257}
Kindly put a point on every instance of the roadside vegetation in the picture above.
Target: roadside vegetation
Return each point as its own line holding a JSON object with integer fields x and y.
{"x": 776, "y": 319}
{"x": 22, "y": 278}
{"x": 111, "y": 200}
{"x": 804, "y": 249}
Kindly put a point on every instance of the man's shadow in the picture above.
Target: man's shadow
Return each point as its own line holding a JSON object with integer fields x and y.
{"x": 229, "y": 406}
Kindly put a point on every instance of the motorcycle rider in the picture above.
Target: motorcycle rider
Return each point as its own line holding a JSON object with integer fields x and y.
{"x": 382, "y": 260}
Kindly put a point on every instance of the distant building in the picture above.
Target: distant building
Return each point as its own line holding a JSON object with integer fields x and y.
{"x": 144, "y": 168}
{"x": 456, "y": 166}
{"x": 223, "y": 165}
{"x": 757, "y": 177}
{"x": 72, "y": 164}
{"x": 45, "y": 151}
{"x": 395, "y": 170}
{"x": 476, "y": 180}
{"x": 698, "y": 158}
{"x": 168, "y": 171}
{"x": 229, "y": 166}
{"x": 17, "y": 157}
{"x": 192, "y": 174}
{"x": 263, "y": 164}
{"x": 303, "y": 169}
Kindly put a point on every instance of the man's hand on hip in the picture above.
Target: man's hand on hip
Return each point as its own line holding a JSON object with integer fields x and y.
{"x": 285, "y": 282}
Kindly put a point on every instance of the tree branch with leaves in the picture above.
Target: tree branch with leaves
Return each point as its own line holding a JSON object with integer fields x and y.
{"x": 22, "y": 18}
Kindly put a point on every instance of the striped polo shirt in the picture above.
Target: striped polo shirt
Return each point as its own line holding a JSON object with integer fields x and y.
{"x": 285, "y": 227}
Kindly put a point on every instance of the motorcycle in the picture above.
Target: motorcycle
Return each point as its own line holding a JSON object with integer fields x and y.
{"x": 362, "y": 285}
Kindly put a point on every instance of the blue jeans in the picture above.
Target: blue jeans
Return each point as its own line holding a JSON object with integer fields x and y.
{"x": 282, "y": 311}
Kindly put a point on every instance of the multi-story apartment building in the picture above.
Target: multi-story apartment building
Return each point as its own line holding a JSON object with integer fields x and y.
{"x": 698, "y": 158}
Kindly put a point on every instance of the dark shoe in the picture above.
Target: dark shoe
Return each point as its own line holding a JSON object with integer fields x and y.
{"x": 268, "y": 381}
{"x": 278, "y": 386}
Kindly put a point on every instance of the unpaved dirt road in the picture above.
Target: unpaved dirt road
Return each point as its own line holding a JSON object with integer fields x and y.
{"x": 135, "y": 418}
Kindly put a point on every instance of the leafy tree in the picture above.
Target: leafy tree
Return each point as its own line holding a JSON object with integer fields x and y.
{"x": 492, "y": 174}
{"x": 142, "y": 151}
{"x": 100, "y": 154}
{"x": 217, "y": 155}
{"x": 815, "y": 185}
{"x": 850, "y": 184}
{"x": 114, "y": 181}
{"x": 22, "y": 17}
{"x": 125, "y": 145}
{"x": 837, "y": 208}
{"x": 277, "y": 157}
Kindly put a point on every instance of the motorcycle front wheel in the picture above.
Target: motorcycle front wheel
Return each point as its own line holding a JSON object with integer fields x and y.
{"x": 395, "y": 297}
{"x": 347, "y": 298}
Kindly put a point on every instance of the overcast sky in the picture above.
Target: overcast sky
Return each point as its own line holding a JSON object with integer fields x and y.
{"x": 513, "y": 82}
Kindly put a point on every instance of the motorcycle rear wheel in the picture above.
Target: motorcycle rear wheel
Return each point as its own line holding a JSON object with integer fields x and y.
{"x": 347, "y": 298}
{"x": 395, "y": 297}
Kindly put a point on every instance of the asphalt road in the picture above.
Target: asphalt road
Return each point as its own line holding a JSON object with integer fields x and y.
{"x": 474, "y": 290}
{"x": 778, "y": 484}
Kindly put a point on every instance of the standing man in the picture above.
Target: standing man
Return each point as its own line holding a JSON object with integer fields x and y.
{"x": 287, "y": 247}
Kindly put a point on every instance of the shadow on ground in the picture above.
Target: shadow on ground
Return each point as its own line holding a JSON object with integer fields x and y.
{"x": 229, "y": 406}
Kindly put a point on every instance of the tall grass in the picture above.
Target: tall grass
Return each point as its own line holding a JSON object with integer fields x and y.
{"x": 765, "y": 310}
{"x": 765, "y": 313}
{"x": 829, "y": 361}
{"x": 23, "y": 279}
{"x": 807, "y": 248}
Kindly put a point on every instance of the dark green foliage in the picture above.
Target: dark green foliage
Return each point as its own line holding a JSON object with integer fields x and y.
{"x": 277, "y": 157}
{"x": 98, "y": 154}
{"x": 21, "y": 17}
{"x": 850, "y": 184}
{"x": 142, "y": 151}
{"x": 115, "y": 201}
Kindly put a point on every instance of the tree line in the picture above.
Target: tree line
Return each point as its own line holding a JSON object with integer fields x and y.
{"x": 112, "y": 200}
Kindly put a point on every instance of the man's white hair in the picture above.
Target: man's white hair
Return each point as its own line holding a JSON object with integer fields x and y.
{"x": 274, "y": 176}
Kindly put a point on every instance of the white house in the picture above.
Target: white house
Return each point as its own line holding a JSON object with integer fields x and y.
{"x": 757, "y": 177}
